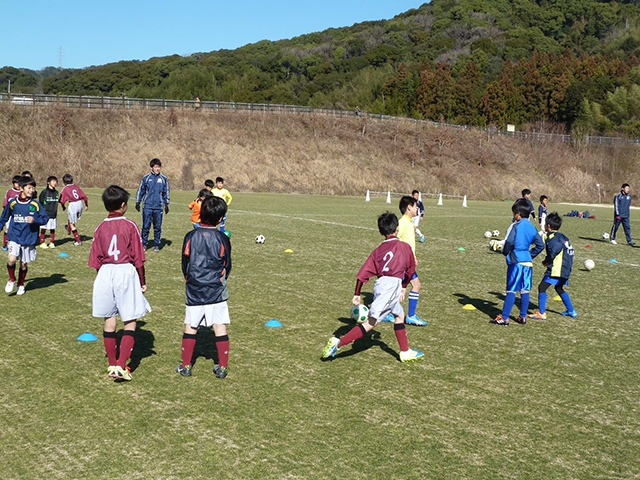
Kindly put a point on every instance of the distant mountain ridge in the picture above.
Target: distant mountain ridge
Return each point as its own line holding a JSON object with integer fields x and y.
{"x": 573, "y": 63}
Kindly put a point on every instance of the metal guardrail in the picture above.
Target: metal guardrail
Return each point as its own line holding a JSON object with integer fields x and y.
{"x": 83, "y": 101}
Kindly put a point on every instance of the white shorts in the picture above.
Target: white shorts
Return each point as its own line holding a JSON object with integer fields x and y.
{"x": 207, "y": 315}
{"x": 26, "y": 253}
{"x": 386, "y": 298}
{"x": 74, "y": 211}
{"x": 52, "y": 224}
{"x": 117, "y": 291}
{"x": 416, "y": 221}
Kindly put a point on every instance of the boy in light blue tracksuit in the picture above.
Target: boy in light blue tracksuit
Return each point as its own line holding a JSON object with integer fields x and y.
{"x": 154, "y": 191}
{"x": 621, "y": 207}
{"x": 520, "y": 255}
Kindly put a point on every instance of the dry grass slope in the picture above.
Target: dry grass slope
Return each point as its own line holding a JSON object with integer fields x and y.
{"x": 301, "y": 154}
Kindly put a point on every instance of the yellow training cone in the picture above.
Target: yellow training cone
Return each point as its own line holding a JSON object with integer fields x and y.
{"x": 557, "y": 298}
{"x": 288, "y": 250}
{"x": 468, "y": 306}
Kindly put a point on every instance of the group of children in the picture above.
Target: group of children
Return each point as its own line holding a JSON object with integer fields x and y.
{"x": 27, "y": 219}
{"x": 210, "y": 188}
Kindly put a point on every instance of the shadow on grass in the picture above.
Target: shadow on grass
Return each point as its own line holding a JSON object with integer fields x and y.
{"x": 593, "y": 239}
{"x": 205, "y": 346}
{"x": 43, "y": 282}
{"x": 144, "y": 346}
{"x": 370, "y": 339}
{"x": 163, "y": 243}
{"x": 487, "y": 307}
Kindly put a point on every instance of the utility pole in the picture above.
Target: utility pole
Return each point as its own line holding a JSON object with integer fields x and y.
{"x": 60, "y": 58}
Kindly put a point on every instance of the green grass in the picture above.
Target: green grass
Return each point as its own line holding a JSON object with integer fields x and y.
{"x": 546, "y": 400}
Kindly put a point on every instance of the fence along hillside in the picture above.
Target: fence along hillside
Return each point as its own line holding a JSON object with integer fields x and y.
{"x": 268, "y": 108}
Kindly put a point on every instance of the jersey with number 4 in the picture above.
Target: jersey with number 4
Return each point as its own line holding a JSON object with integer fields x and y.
{"x": 392, "y": 258}
{"x": 116, "y": 240}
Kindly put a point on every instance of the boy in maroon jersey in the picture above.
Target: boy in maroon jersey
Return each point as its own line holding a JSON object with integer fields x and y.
{"x": 75, "y": 196}
{"x": 118, "y": 256}
{"x": 394, "y": 264}
{"x": 13, "y": 192}
{"x": 206, "y": 265}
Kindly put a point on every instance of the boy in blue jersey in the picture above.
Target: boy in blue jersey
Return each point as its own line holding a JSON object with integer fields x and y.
{"x": 621, "y": 207}
{"x": 542, "y": 213}
{"x": 154, "y": 191}
{"x": 559, "y": 261}
{"x": 26, "y": 214}
{"x": 520, "y": 255}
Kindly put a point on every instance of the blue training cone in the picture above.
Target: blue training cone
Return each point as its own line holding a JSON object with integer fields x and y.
{"x": 63, "y": 254}
{"x": 87, "y": 337}
{"x": 273, "y": 323}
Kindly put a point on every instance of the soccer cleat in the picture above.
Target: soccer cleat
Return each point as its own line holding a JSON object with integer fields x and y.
{"x": 156, "y": 249}
{"x": 421, "y": 238}
{"x": 331, "y": 348}
{"x": 415, "y": 320}
{"x": 20, "y": 290}
{"x": 52, "y": 245}
{"x": 77, "y": 244}
{"x": 184, "y": 371}
{"x": 613, "y": 242}
{"x": 521, "y": 320}
{"x": 538, "y": 316}
{"x": 4, "y": 248}
{"x": 411, "y": 355}
{"x": 632, "y": 244}
{"x": 43, "y": 245}
{"x": 389, "y": 318}
{"x": 111, "y": 371}
{"x": 500, "y": 321}
{"x": 220, "y": 371}
{"x": 572, "y": 314}
{"x": 122, "y": 374}
{"x": 9, "y": 287}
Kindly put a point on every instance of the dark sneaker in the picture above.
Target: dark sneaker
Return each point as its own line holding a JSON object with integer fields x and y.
{"x": 500, "y": 321}
{"x": 184, "y": 371}
{"x": 632, "y": 244}
{"x": 521, "y": 320}
{"x": 156, "y": 249}
{"x": 220, "y": 371}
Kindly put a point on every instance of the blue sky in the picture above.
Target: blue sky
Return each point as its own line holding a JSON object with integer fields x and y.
{"x": 95, "y": 33}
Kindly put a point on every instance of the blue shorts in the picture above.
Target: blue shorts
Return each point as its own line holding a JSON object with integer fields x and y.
{"x": 519, "y": 278}
{"x": 415, "y": 275}
{"x": 556, "y": 281}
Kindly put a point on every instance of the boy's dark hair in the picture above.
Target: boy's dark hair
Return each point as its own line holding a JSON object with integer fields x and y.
{"x": 154, "y": 162}
{"x": 219, "y": 179}
{"x": 204, "y": 193}
{"x": 52, "y": 177}
{"x": 26, "y": 180}
{"x": 526, "y": 191}
{"x": 209, "y": 183}
{"x": 405, "y": 202}
{"x": 16, "y": 179}
{"x": 26, "y": 173}
{"x": 522, "y": 207}
{"x": 387, "y": 223}
{"x": 624, "y": 185}
{"x": 543, "y": 197}
{"x": 113, "y": 197}
{"x": 67, "y": 179}
{"x": 414, "y": 192}
{"x": 212, "y": 211}
{"x": 554, "y": 220}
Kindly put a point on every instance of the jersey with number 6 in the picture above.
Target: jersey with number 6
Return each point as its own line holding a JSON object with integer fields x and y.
{"x": 116, "y": 240}
{"x": 392, "y": 258}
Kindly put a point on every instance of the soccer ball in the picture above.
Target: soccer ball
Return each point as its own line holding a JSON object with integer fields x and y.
{"x": 359, "y": 313}
{"x": 260, "y": 239}
{"x": 496, "y": 233}
{"x": 487, "y": 234}
{"x": 589, "y": 264}
{"x": 605, "y": 236}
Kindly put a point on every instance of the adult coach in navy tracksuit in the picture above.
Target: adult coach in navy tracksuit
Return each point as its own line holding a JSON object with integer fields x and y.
{"x": 154, "y": 191}
{"x": 621, "y": 207}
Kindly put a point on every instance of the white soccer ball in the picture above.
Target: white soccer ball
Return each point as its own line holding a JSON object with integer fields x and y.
{"x": 496, "y": 233}
{"x": 260, "y": 239}
{"x": 605, "y": 236}
{"x": 487, "y": 234}
{"x": 359, "y": 313}
{"x": 589, "y": 264}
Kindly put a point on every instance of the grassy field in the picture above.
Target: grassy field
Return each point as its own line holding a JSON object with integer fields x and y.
{"x": 555, "y": 399}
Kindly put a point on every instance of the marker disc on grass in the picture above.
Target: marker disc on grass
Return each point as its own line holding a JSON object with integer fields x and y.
{"x": 87, "y": 337}
{"x": 63, "y": 254}
{"x": 273, "y": 323}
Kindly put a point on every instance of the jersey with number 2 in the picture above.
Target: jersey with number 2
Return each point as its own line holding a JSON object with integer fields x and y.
{"x": 116, "y": 240}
